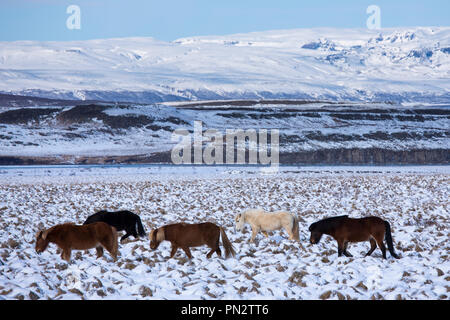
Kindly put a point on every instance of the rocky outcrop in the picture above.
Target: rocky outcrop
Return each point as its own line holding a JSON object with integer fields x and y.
{"x": 311, "y": 133}
{"x": 370, "y": 156}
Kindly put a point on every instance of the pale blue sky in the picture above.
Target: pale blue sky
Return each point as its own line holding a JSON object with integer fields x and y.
{"x": 172, "y": 19}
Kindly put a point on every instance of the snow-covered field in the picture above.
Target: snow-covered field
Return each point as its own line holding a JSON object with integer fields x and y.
{"x": 413, "y": 199}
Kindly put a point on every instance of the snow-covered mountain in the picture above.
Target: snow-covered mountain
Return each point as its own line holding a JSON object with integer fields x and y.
{"x": 401, "y": 65}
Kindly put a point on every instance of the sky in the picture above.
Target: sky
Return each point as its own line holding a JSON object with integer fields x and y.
{"x": 46, "y": 20}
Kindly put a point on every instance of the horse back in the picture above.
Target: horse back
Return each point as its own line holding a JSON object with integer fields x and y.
{"x": 118, "y": 219}
{"x": 361, "y": 229}
{"x": 375, "y": 225}
{"x": 83, "y": 237}
{"x": 272, "y": 220}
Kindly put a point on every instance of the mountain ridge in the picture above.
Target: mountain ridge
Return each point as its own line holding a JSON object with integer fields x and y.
{"x": 398, "y": 65}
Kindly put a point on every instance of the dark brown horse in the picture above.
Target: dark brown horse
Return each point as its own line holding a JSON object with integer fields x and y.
{"x": 184, "y": 235}
{"x": 344, "y": 230}
{"x": 69, "y": 236}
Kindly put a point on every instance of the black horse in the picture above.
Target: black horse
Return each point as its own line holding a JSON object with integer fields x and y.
{"x": 121, "y": 220}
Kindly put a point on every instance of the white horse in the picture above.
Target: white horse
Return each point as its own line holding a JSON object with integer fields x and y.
{"x": 263, "y": 221}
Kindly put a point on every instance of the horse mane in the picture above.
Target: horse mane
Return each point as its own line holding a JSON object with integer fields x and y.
{"x": 56, "y": 228}
{"x": 327, "y": 224}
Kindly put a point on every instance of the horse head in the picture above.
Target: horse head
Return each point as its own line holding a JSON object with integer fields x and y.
{"x": 156, "y": 237}
{"x": 315, "y": 234}
{"x": 240, "y": 221}
{"x": 41, "y": 241}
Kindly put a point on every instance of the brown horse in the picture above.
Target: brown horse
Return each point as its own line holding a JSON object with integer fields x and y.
{"x": 344, "y": 230}
{"x": 69, "y": 236}
{"x": 184, "y": 235}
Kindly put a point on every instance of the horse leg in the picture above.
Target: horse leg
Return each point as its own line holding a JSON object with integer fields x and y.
{"x": 99, "y": 251}
{"x": 210, "y": 253}
{"x": 188, "y": 252}
{"x": 132, "y": 231}
{"x": 255, "y": 231}
{"x": 218, "y": 251}
{"x": 383, "y": 250}
{"x": 214, "y": 248}
{"x": 373, "y": 246}
{"x": 382, "y": 247}
{"x": 174, "y": 250}
{"x": 125, "y": 236}
{"x": 289, "y": 232}
{"x": 346, "y": 253}
{"x": 108, "y": 244}
{"x": 66, "y": 253}
{"x": 340, "y": 247}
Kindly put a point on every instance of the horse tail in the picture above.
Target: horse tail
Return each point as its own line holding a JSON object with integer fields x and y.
{"x": 140, "y": 227}
{"x": 227, "y": 244}
{"x": 295, "y": 230}
{"x": 88, "y": 220}
{"x": 388, "y": 237}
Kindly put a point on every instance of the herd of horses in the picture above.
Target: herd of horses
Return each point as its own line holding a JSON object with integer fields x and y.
{"x": 100, "y": 231}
